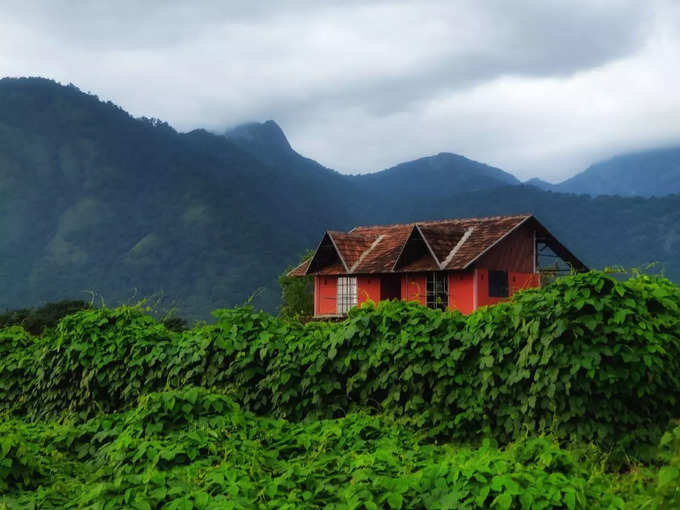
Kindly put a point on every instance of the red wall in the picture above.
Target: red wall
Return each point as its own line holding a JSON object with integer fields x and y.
{"x": 461, "y": 292}
{"x": 368, "y": 287}
{"x": 414, "y": 288}
{"x": 462, "y": 286}
{"x": 516, "y": 281}
{"x": 325, "y": 295}
{"x": 521, "y": 281}
{"x": 483, "y": 298}
{"x": 515, "y": 254}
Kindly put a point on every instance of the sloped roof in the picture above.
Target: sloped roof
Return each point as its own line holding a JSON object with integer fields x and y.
{"x": 441, "y": 238}
{"x": 351, "y": 246}
{"x": 453, "y": 244}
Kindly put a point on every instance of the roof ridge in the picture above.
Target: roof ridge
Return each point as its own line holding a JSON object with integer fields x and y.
{"x": 455, "y": 249}
{"x": 366, "y": 252}
{"x": 447, "y": 220}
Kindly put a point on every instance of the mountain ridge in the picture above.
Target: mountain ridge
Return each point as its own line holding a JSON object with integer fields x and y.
{"x": 652, "y": 172}
{"x": 92, "y": 199}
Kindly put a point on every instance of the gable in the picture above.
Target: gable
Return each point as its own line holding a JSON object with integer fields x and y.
{"x": 326, "y": 257}
{"x": 416, "y": 255}
{"x": 513, "y": 253}
{"x": 351, "y": 246}
{"x": 441, "y": 239}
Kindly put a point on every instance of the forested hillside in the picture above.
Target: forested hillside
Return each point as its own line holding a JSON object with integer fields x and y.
{"x": 92, "y": 199}
{"x": 647, "y": 173}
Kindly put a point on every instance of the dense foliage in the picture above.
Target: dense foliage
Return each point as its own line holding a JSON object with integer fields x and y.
{"x": 92, "y": 199}
{"x": 588, "y": 357}
{"x": 35, "y": 320}
{"x": 196, "y": 449}
{"x": 540, "y": 402}
{"x": 297, "y": 293}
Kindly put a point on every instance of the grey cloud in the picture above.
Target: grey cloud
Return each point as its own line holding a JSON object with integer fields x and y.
{"x": 358, "y": 84}
{"x": 475, "y": 45}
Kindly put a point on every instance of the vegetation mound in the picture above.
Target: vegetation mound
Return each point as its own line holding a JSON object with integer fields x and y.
{"x": 587, "y": 358}
{"x": 196, "y": 449}
{"x": 527, "y": 404}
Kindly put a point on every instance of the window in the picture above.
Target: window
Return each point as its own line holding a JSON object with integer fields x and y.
{"x": 347, "y": 294}
{"x": 437, "y": 290}
{"x": 498, "y": 284}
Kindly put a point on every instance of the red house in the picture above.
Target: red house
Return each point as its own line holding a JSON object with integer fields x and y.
{"x": 459, "y": 264}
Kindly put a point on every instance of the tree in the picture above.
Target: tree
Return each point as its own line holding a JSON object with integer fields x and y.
{"x": 35, "y": 320}
{"x": 297, "y": 293}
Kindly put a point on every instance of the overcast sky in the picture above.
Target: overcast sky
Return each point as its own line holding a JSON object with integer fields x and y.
{"x": 538, "y": 88}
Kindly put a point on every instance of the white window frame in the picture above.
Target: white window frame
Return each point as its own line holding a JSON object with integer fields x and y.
{"x": 437, "y": 289}
{"x": 346, "y": 294}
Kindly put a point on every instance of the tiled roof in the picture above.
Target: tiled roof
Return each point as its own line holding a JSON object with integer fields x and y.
{"x": 455, "y": 244}
{"x": 441, "y": 239}
{"x": 351, "y": 246}
{"x": 301, "y": 269}
{"x": 385, "y": 253}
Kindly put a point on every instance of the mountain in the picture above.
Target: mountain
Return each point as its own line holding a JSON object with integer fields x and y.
{"x": 326, "y": 192}
{"x": 541, "y": 184}
{"x": 649, "y": 173}
{"x": 450, "y": 171}
{"x": 94, "y": 200}
{"x": 402, "y": 190}
{"x": 378, "y": 195}
{"x": 267, "y": 142}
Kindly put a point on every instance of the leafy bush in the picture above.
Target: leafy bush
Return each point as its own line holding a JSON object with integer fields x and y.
{"x": 176, "y": 324}
{"x": 297, "y": 293}
{"x": 35, "y": 320}
{"x": 17, "y": 367}
{"x": 145, "y": 417}
{"x": 216, "y": 456}
{"x": 98, "y": 360}
{"x": 587, "y": 358}
{"x": 668, "y": 478}
{"x": 23, "y": 463}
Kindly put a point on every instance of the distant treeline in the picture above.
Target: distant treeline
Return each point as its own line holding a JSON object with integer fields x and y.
{"x": 37, "y": 320}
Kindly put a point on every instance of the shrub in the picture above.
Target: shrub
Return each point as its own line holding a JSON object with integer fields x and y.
{"x": 35, "y": 320}
{"x": 668, "y": 477}
{"x": 587, "y": 358}
{"x": 217, "y": 456}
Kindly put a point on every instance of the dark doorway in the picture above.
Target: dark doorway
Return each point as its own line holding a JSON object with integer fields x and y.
{"x": 390, "y": 287}
{"x": 498, "y": 284}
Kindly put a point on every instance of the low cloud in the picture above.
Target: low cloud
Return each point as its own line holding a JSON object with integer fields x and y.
{"x": 536, "y": 87}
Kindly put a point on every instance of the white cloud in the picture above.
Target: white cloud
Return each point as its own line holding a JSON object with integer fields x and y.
{"x": 535, "y": 87}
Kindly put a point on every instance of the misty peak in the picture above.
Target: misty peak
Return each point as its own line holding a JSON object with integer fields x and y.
{"x": 539, "y": 183}
{"x": 263, "y": 134}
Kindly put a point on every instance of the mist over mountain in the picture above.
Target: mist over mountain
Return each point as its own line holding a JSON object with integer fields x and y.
{"x": 647, "y": 173}
{"x": 541, "y": 184}
{"x": 92, "y": 199}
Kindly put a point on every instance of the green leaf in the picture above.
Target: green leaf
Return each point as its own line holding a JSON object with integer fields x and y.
{"x": 395, "y": 500}
{"x": 502, "y": 501}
